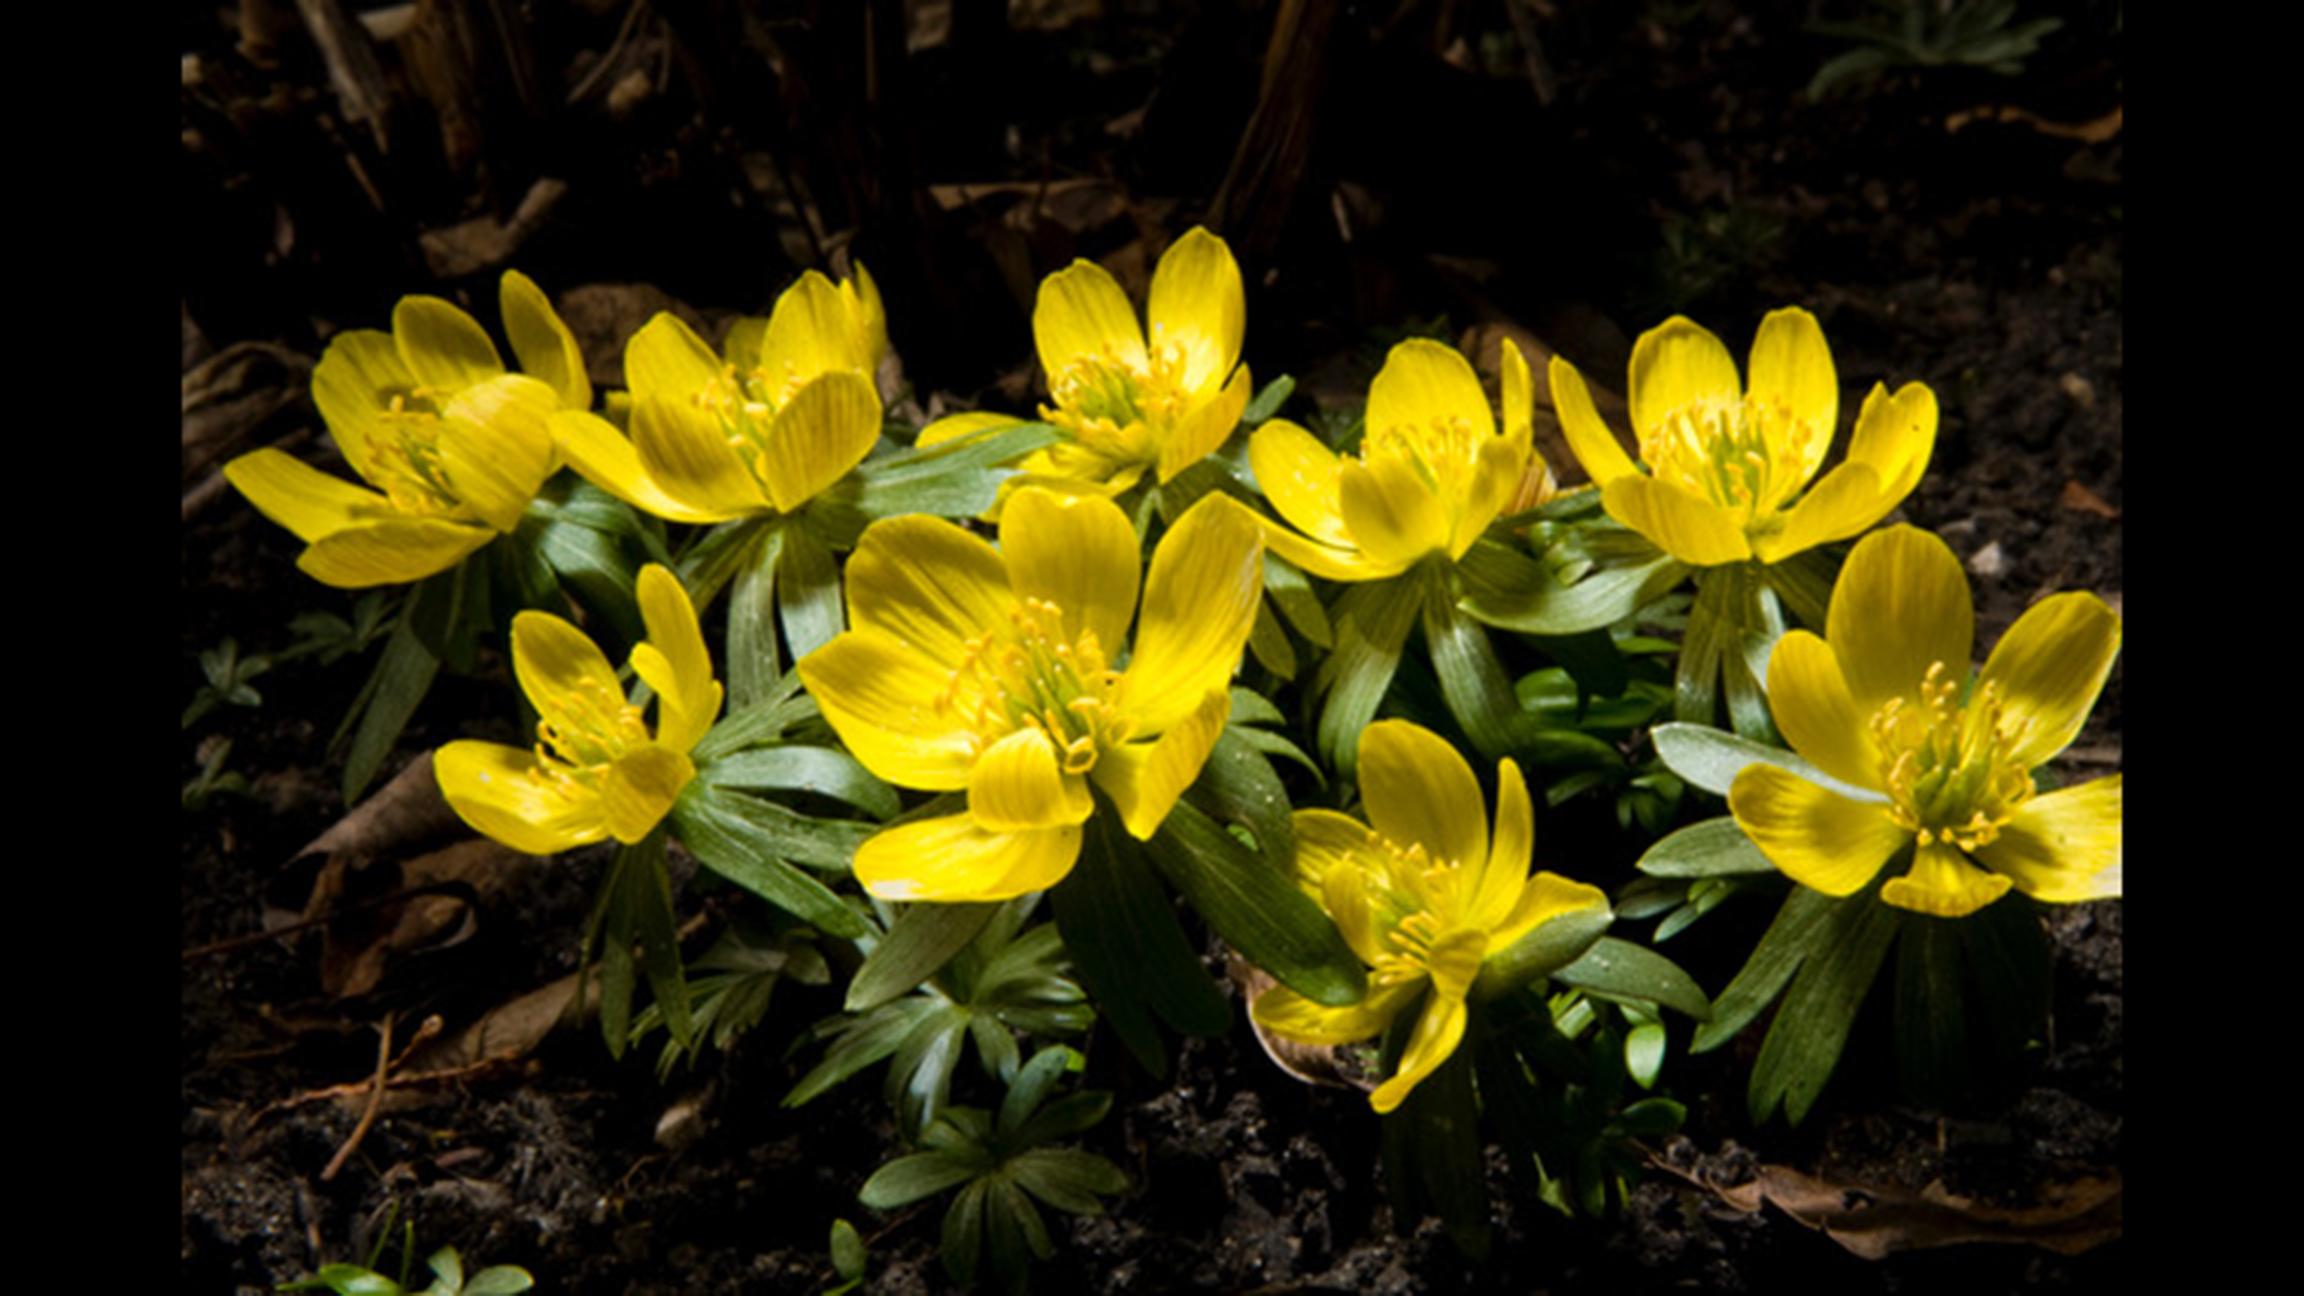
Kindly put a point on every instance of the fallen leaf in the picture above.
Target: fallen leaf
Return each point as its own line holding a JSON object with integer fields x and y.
{"x": 1318, "y": 1064}
{"x": 2083, "y": 500}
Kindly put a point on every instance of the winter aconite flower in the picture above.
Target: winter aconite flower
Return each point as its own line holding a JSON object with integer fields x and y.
{"x": 1878, "y": 704}
{"x": 1423, "y": 892}
{"x": 596, "y": 770}
{"x": 788, "y": 409}
{"x": 452, "y": 445}
{"x": 1727, "y": 463}
{"x": 1433, "y": 469}
{"x": 1008, "y": 672}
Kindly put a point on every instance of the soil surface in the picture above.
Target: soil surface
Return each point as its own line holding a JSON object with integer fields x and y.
{"x": 1672, "y": 165}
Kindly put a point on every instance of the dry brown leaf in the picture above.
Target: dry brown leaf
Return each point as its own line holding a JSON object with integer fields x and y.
{"x": 2080, "y": 499}
{"x": 510, "y": 1030}
{"x": 2093, "y": 131}
{"x": 357, "y": 948}
{"x": 1875, "y": 1220}
{"x": 1311, "y": 1063}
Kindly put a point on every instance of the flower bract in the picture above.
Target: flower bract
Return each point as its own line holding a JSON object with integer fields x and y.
{"x": 1423, "y": 892}
{"x": 1433, "y": 469}
{"x": 1878, "y": 705}
{"x": 1730, "y": 464}
{"x": 785, "y": 411}
{"x": 452, "y": 446}
{"x": 1010, "y": 673}
{"x": 596, "y": 770}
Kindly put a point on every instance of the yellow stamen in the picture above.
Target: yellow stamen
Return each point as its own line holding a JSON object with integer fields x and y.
{"x": 1949, "y": 769}
{"x": 1750, "y": 457}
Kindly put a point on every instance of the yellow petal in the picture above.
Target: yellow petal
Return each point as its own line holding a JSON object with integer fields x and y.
{"x": 1498, "y": 468}
{"x": 814, "y": 330}
{"x": 2050, "y": 666}
{"x": 1819, "y": 839}
{"x": 1437, "y": 1033}
{"x": 1547, "y": 896}
{"x": 1589, "y": 439}
{"x": 1943, "y": 883}
{"x": 1335, "y": 855}
{"x": 1144, "y": 779}
{"x": 564, "y": 674}
{"x": 1199, "y": 306}
{"x": 355, "y": 381}
{"x": 953, "y": 427}
{"x": 1298, "y": 474}
{"x": 688, "y": 698}
{"x": 1519, "y": 389}
{"x": 1418, "y": 791}
{"x": 683, "y": 451}
{"x": 950, "y": 860}
{"x": 300, "y": 497}
{"x": 390, "y": 551}
{"x": 1199, "y": 605}
{"x": 1894, "y": 437}
{"x": 639, "y": 789}
{"x": 1819, "y": 716}
{"x": 1204, "y": 427}
{"x": 496, "y": 789}
{"x": 871, "y": 314}
{"x": 546, "y": 348}
{"x": 495, "y": 446}
{"x": 1675, "y": 364}
{"x": 1291, "y": 1016}
{"x": 885, "y": 701}
{"x": 1792, "y": 369}
{"x": 929, "y": 586}
{"x": 823, "y": 431}
{"x": 1900, "y": 604}
{"x": 2063, "y": 847}
{"x": 445, "y": 348}
{"x": 1321, "y": 560}
{"x": 1082, "y": 314}
{"x": 1845, "y": 502}
{"x": 1425, "y": 383}
{"x": 1391, "y": 513}
{"x": 593, "y": 447}
{"x": 1017, "y": 786}
{"x": 1510, "y": 848}
{"x": 666, "y": 359}
{"x": 1695, "y": 531}
{"x": 1078, "y": 552}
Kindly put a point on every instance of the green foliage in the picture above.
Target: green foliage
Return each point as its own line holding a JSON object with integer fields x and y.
{"x": 1893, "y": 34}
{"x": 447, "y": 1279}
{"x": 730, "y": 984}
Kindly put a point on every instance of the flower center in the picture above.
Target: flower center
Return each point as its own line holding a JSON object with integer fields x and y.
{"x": 1114, "y": 407}
{"x": 589, "y": 727}
{"x": 1034, "y": 675}
{"x": 1749, "y": 457}
{"x": 404, "y": 456}
{"x": 1444, "y": 453}
{"x": 1948, "y": 768}
{"x": 745, "y": 402}
{"x": 1420, "y": 906}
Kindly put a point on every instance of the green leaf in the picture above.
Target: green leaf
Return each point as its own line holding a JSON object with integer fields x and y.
{"x": 1805, "y": 918}
{"x": 1644, "y": 1053}
{"x": 920, "y": 1075}
{"x": 1713, "y": 848}
{"x": 1804, "y": 583}
{"x": 1268, "y": 401}
{"x": 1618, "y": 967}
{"x": 752, "y": 662}
{"x": 1553, "y": 945}
{"x": 1651, "y": 1117}
{"x": 1270, "y": 643}
{"x": 1256, "y": 906}
{"x": 847, "y": 1251}
{"x": 1804, "y": 1042}
{"x": 864, "y": 1041}
{"x": 714, "y": 559}
{"x": 1293, "y": 595}
{"x": 1603, "y": 597}
{"x": 1433, "y": 1152}
{"x": 826, "y": 844}
{"x": 765, "y": 721}
{"x": 447, "y": 1269}
{"x": 1032, "y": 1085}
{"x": 1131, "y": 954}
{"x": 823, "y": 771}
{"x": 499, "y": 1280}
{"x": 403, "y": 676}
{"x": 1067, "y": 1179}
{"x": 1933, "y": 1058}
{"x": 1472, "y": 681}
{"x": 646, "y": 889}
{"x": 808, "y": 592}
{"x": 907, "y": 1179}
{"x": 1068, "y": 1115}
{"x": 742, "y": 839}
{"x": 1712, "y": 758}
{"x": 1372, "y": 623}
{"x": 923, "y": 939}
{"x": 346, "y": 1280}
{"x": 952, "y": 479}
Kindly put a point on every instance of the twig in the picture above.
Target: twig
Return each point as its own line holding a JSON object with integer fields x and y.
{"x": 375, "y": 1101}
{"x": 230, "y": 943}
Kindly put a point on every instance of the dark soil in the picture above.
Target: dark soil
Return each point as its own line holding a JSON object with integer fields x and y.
{"x": 1985, "y": 262}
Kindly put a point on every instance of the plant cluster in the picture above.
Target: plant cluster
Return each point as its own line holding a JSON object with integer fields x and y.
{"x": 1158, "y": 642}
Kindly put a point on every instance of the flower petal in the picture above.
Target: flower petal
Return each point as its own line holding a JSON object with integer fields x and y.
{"x": 1819, "y": 839}
{"x": 300, "y": 497}
{"x": 1894, "y": 437}
{"x": 1082, "y": 314}
{"x": 1518, "y": 388}
{"x": 495, "y": 446}
{"x": 390, "y": 551}
{"x": 639, "y": 789}
{"x": 1078, "y": 552}
{"x": 815, "y": 330}
{"x": 2063, "y": 847}
{"x": 1792, "y": 369}
{"x": 1291, "y": 1016}
{"x": 684, "y": 452}
{"x": 1145, "y": 779}
{"x": 929, "y": 586}
{"x": 1204, "y": 427}
{"x": 1199, "y": 306}
{"x": 606, "y": 458}
{"x": 1943, "y": 883}
{"x": 1018, "y": 786}
{"x": 1391, "y": 513}
{"x": 688, "y": 698}
{"x": 1199, "y": 605}
{"x": 1900, "y": 605}
{"x": 547, "y": 350}
{"x": 884, "y": 699}
{"x": 1676, "y": 364}
{"x": 823, "y": 431}
{"x": 566, "y": 677}
{"x": 1298, "y": 474}
{"x": 952, "y": 427}
{"x": 1547, "y": 896}
{"x": 1695, "y": 531}
{"x": 1589, "y": 439}
{"x": 1499, "y": 467}
{"x": 1504, "y": 875}
{"x": 1425, "y": 383}
{"x": 1335, "y": 856}
{"x": 950, "y": 860}
{"x": 1418, "y": 791}
{"x": 355, "y": 381}
{"x": 445, "y": 348}
{"x": 1437, "y": 1033}
{"x": 1321, "y": 560}
{"x": 2050, "y": 667}
{"x": 496, "y": 789}
{"x": 1845, "y": 502}
{"x": 666, "y": 359}
{"x": 1819, "y": 716}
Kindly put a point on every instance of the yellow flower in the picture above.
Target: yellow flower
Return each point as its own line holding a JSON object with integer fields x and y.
{"x": 1877, "y": 705}
{"x": 454, "y": 446}
{"x": 996, "y": 670}
{"x": 791, "y": 408}
{"x": 595, "y": 771}
{"x": 1127, "y": 404}
{"x": 1726, "y": 465}
{"x": 1432, "y": 473}
{"x": 1423, "y": 893}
